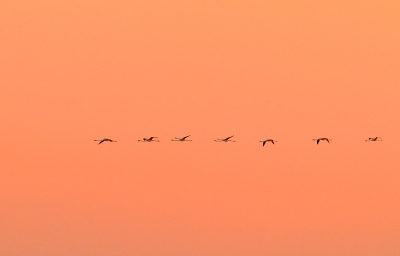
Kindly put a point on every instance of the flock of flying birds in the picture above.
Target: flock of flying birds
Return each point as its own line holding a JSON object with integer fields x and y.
{"x": 227, "y": 139}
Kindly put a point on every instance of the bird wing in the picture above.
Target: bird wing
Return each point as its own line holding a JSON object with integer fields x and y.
{"x": 185, "y": 137}
{"x": 272, "y": 141}
{"x": 264, "y": 142}
{"x": 317, "y": 141}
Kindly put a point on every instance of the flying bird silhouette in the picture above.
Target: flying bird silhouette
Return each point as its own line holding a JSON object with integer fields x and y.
{"x": 181, "y": 139}
{"x": 374, "y": 139}
{"x": 225, "y": 140}
{"x": 319, "y": 139}
{"x": 151, "y": 139}
{"x": 268, "y": 140}
{"x": 105, "y": 139}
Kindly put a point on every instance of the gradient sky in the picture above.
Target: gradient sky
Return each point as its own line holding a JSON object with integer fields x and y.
{"x": 74, "y": 71}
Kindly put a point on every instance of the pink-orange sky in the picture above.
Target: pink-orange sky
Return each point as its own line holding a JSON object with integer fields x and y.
{"x": 74, "y": 71}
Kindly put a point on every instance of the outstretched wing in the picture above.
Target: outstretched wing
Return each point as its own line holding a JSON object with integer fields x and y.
{"x": 185, "y": 137}
{"x": 264, "y": 142}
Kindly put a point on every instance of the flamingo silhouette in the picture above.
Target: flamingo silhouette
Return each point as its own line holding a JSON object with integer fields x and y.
{"x": 268, "y": 140}
{"x": 225, "y": 140}
{"x": 105, "y": 139}
{"x": 319, "y": 139}
{"x": 151, "y": 139}
{"x": 181, "y": 139}
{"x": 374, "y": 139}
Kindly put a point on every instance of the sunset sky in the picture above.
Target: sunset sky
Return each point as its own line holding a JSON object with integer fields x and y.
{"x": 75, "y": 71}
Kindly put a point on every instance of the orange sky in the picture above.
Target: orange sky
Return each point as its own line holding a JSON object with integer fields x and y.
{"x": 75, "y": 71}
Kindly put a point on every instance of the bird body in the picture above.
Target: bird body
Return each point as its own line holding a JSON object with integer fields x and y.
{"x": 181, "y": 139}
{"x": 374, "y": 139}
{"x": 151, "y": 139}
{"x": 105, "y": 139}
{"x": 268, "y": 140}
{"x": 319, "y": 139}
{"x": 225, "y": 139}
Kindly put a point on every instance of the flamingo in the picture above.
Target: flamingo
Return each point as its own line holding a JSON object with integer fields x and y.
{"x": 105, "y": 139}
{"x": 268, "y": 140}
{"x": 374, "y": 139}
{"x": 322, "y": 139}
{"x": 181, "y": 139}
{"x": 149, "y": 139}
{"x": 225, "y": 140}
